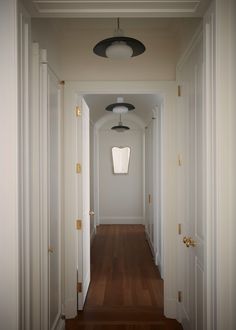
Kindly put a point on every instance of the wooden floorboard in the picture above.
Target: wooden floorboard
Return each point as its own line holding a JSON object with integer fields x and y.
{"x": 126, "y": 290}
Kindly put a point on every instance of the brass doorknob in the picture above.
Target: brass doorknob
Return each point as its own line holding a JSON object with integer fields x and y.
{"x": 185, "y": 239}
{"x": 91, "y": 213}
{"x": 188, "y": 241}
{"x": 191, "y": 242}
{"x": 50, "y": 250}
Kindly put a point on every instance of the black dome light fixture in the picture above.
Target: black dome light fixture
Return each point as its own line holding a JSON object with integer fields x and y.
{"x": 120, "y": 127}
{"x": 120, "y": 106}
{"x": 119, "y": 46}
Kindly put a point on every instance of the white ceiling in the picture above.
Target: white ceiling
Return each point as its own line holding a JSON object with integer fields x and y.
{"x": 94, "y": 10}
{"x": 144, "y": 104}
{"x": 115, "y": 8}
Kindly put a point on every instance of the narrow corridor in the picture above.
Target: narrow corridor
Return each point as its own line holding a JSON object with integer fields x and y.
{"x": 126, "y": 291}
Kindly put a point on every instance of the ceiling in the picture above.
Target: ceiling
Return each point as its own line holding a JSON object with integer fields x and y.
{"x": 144, "y": 104}
{"x": 116, "y": 8}
{"x": 90, "y": 13}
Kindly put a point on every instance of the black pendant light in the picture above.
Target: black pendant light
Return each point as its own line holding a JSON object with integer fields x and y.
{"x": 120, "y": 127}
{"x": 120, "y": 106}
{"x": 119, "y": 46}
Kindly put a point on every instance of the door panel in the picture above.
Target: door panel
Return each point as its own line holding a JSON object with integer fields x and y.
{"x": 54, "y": 199}
{"x": 190, "y": 191}
{"x": 84, "y": 202}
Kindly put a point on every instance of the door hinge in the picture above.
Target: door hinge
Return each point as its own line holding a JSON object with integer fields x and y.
{"x": 78, "y": 168}
{"x": 78, "y": 224}
{"x": 149, "y": 198}
{"x": 179, "y": 229}
{"x": 79, "y": 287}
{"x": 179, "y": 90}
{"x": 78, "y": 111}
{"x": 179, "y": 296}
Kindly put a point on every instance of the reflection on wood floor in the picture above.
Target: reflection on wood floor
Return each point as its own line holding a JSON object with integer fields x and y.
{"x": 126, "y": 291}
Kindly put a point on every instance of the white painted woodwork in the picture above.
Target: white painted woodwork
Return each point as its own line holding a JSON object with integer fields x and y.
{"x": 210, "y": 172}
{"x": 191, "y": 187}
{"x": 83, "y": 204}
{"x": 35, "y": 192}
{"x": 168, "y": 90}
{"x": 10, "y": 285}
{"x": 45, "y": 193}
{"x": 92, "y": 178}
{"x": 124, "y": 8}
{"x": 149, "y": 171}
{"x": 54, "y": 226}
{"x": 153, "y": 181}
{"x": 24, "y": 164}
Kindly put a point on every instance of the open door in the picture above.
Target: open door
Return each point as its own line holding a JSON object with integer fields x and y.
{"x": 191, "y": 194}
{"x": 83, "y": 169}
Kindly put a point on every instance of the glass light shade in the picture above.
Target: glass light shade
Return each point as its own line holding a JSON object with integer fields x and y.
{"x": 120, "y": 109}
{"x": 119, "y": 50}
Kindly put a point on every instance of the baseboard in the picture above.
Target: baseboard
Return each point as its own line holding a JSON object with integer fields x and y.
{"x": 121, "y": 220}
{"x": 170, "y": 308}
{"x": 159, "y": 264}
{"x": 150, "y": 244}
{"x": 61, "y": 325}
{"x": 70, "y": 308}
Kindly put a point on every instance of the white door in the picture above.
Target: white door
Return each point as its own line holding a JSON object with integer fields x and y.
{"x": 191, "y": 263}
{"x": 83, "y": 149}
{"x": 149, "y": 184}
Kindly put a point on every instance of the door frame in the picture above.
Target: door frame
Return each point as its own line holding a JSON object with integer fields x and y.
{"x": 169, "y": 91}
{"x": 104, "y": 119}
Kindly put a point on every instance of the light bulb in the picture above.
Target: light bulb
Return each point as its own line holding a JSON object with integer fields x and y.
{"x": 120, "y": 109}
{"x": 119, "y": 50}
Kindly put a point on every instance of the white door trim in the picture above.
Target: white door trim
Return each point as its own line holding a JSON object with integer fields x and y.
{"x": 210, "y": 172}
{"x": 24, "y": 164}
{"x": 168, "y": 90}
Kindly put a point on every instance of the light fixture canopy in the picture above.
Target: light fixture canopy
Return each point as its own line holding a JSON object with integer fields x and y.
{"x": 119, "y": 46}
{"x": 120, "y": 106}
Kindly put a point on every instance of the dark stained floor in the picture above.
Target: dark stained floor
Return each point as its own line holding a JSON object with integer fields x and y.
{"x": 126, "y": 291}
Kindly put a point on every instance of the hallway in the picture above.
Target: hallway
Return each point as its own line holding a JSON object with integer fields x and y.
{"x": 126, "y": 291}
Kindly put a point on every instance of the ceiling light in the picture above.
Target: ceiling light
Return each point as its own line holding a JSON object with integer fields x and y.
{"x": 120, "y": 127}
{"x": 120, "y": 106}
{"x": 119, "y": 46}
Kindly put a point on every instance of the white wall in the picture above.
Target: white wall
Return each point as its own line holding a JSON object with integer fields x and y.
{"x": 70, "y": 44}
{"x": 224, "y": 110}
{"x": 44, "y": 33}
{"x": 9, "y": 167}
{"x": 78, "y": 60}
{"x": 120, "y": 196}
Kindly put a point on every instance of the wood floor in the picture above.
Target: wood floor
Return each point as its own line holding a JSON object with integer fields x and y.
{"x": 126, "y": 291}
